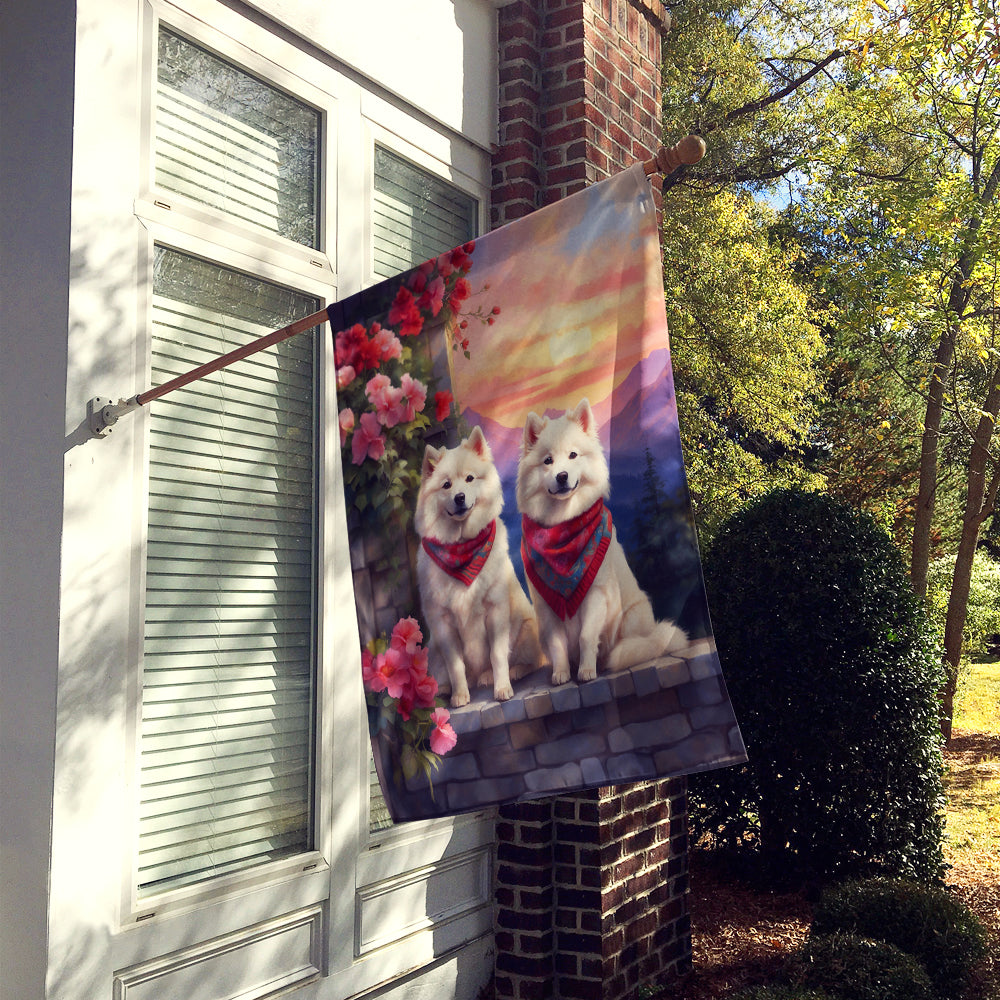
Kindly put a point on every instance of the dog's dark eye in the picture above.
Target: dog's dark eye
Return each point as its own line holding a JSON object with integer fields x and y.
{"x": 548, "y": 459}
{"x": 572, "y": 454}
{"x": 470, "y": 478}
{"x": 446, "y": 484}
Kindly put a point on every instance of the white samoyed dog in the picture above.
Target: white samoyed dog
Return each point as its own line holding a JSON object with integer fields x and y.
{"x": 482, "y": 626}
{"x": 590, "y": 608}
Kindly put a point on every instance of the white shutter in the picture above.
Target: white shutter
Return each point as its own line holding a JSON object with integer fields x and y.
{"x": 415, "y": 217}
{"x": 228, "y": 658}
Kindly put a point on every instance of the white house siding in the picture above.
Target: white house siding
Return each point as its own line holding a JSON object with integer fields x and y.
{"x": 410, "y": 914}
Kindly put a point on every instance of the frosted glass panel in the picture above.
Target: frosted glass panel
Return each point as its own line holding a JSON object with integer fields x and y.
{"x": 231, "y": 141}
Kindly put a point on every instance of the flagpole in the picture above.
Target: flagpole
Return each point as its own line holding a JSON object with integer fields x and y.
{"x": 103, "y": 413}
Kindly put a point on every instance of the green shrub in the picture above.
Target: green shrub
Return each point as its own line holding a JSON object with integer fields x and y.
{"x": 926, "y": 922}
{"x": 856, "y": 968}
{"x": 833, "y": 672}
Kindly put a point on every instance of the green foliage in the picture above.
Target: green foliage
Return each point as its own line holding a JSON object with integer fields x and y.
{"x": 983, "y": 611}
{"x": 746, "y": 353}
{"x": 857, "y": 968}
{"x": 924, "y": 921}
{"x": 833, "y": 671}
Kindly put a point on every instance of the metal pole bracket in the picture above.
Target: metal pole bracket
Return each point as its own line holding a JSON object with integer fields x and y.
{"x": 103, "y": 413}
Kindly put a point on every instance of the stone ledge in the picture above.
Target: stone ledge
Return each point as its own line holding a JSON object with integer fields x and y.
{"x": 659, "y": 719}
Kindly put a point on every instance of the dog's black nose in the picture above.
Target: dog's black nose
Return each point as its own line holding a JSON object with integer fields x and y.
{"x": 459, "y": 500}
{"x": 562, "y": 478}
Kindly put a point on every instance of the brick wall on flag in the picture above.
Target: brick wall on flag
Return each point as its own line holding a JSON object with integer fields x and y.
{"x": 591, "y": 889}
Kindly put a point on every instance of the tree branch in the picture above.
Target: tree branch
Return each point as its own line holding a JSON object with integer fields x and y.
{"x": 754, "y": 106}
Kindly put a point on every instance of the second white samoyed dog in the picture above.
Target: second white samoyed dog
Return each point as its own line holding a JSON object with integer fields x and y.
{"x": 590, "y": 607}
{"x": 482, "y": 626}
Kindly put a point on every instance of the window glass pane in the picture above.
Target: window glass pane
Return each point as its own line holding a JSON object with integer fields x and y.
{"x": 416, "y": 217}
{"x": 231, "y": 141}
{"x": 228, "y": 654}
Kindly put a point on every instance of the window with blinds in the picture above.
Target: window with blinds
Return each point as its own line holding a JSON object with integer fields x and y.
{"x": 229, "y": 652}
{"x": 228, "y": 655}
{"x": 225, "y": 139}
{"x": 416, "y": 216}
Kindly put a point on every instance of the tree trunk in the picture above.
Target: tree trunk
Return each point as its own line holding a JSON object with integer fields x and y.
{"x": 920, "y": 553}
{"x": 980, "y": 499}
{"x": 958, "y": 299}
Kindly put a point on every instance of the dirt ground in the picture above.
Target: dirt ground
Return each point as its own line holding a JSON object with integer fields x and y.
{"x": 742, "y": 935}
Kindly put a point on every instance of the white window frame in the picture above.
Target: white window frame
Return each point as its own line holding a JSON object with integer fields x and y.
{"x": 349, "y": 871}
{"x": 180, "y": 224}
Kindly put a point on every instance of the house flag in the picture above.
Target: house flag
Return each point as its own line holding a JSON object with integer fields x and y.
{"x": 527, "y": 582}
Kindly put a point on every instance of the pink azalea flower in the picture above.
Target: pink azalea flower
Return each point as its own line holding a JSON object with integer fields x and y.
{"x": 418, "y": 665}
{"x": 444, "y": 265}
{"x": 345, "y": 376}
{"x": 387, "y": 400}
{"x": 433, "y": 296}
{"x": 413, "y": 395}
{"x": 443, "y": 737}
{"x": 442, "y": 404}
{"x": 395, "y": 669}
{"x": 367, "y": 441}
{"x": 371, "y": 672}
{"x": 406, "y": 635}
{"x": 425, "y": 690}
{"x": 346, "y": 419}
{"x": 388, "y": 344}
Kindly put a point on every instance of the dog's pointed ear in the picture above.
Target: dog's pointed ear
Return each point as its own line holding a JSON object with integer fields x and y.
{"x": 584, "y": 416}
{"x": 532, "y": 429}
{"x": 478, "y": 443}
{"x": 431, "y": 458}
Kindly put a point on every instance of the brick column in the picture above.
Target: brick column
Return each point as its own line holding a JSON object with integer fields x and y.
{"x": 579, "y": 96}
{"x": 591, "y": 891}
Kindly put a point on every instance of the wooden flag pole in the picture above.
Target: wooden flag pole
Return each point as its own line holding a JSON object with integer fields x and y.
{"x": 103, "y": 413}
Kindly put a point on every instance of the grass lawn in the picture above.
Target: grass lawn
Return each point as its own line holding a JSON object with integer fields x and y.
{"x": 974, "y": 769}
{"x": 973, "y": 810}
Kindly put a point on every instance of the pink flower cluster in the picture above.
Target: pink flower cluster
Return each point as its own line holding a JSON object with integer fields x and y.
{"x": 436, "y": 283}
{"x": 401, "y": 672}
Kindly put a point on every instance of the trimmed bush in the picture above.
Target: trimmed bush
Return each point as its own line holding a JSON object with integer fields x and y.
{"x": 833, "y": 670}
{"x": 857, "y": 968}
{"x": 925, "y": 922}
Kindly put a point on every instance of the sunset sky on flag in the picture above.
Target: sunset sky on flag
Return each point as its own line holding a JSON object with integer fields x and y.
{"x": 571, "y": 323}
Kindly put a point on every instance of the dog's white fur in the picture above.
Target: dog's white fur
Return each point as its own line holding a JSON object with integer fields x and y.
{"x": 486, "y": 631}
{"x": 563, "y": 472}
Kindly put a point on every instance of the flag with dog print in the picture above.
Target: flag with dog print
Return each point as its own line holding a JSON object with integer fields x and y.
{"x": 529, "y": 595}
